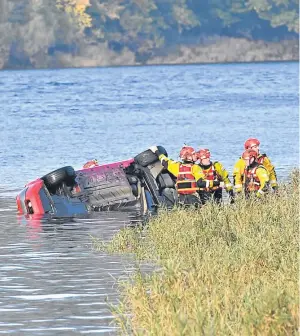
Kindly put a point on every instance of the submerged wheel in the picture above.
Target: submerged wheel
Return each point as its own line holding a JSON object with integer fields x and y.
{"x": 58, "y": 176}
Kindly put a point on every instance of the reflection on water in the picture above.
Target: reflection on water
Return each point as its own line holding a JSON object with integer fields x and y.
{"x": 51, "y": 279}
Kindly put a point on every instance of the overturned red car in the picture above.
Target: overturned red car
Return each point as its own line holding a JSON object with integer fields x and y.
{"x": 140, "y": 184}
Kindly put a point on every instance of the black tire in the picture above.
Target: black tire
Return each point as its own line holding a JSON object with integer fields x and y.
{"x": 58, "y": 176}
{"x": 148, "y": 157}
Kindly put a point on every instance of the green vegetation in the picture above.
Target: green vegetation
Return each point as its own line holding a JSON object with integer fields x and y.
{"x": 223, "y": 270}
{"x": 106, "y": 32}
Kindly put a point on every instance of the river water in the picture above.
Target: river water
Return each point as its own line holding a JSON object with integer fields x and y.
{"x": 51, "y": 281}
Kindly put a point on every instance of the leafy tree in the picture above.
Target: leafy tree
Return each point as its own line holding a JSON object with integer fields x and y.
{"x": 278, "y": 12}
{"x": 77, "y": 10}
{"x": 35, "y": 33}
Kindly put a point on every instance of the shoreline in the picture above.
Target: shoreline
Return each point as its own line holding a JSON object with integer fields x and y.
{"x": 223, "y": 51}
{"x": 215, "y": 265}
{"x": 150, "y": 65}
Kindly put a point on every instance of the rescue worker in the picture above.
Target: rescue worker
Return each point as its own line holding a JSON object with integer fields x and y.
{"x": 255, "y": 176}
{"x": 91, "y": 164}
{"x": 213, "y": 171}
{"x": 189, "y": 176}
{"x": 239, "y": 166}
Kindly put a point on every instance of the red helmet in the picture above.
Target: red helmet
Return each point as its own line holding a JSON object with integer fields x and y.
{"x": 249, "y": 153}
{"x": 203, "y": 154}
{"x": 187, "y": 153}
{"x": 251, "y": 142}
{"x": 91, "y": 164}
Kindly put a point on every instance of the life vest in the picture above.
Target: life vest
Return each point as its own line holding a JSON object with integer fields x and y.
{"x": 261, "y": 158}
{"x": 211, "y": 174}
{"x": 186, "y": 183}
{"x": 251, "y": 181}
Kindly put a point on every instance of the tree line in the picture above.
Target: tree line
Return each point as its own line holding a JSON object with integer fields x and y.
{"x": 47, "y": 33}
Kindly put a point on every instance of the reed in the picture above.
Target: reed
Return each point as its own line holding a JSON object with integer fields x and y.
{"x": 223, "y": 270}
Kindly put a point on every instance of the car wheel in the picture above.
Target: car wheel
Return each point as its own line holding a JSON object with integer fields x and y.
{"x": 58, "y": 176}
{"x": 148, "y": 157}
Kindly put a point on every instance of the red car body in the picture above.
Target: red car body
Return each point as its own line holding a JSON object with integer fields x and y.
{"x": 140, "y": 184}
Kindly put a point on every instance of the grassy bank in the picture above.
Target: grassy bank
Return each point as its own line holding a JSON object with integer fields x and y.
{"x": 230, "y": 270}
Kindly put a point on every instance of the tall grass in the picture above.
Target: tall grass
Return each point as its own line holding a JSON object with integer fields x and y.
{"x": 224, "y": 270}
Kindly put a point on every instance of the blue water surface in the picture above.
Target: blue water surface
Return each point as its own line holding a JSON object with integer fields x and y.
{"x": 52, "y": 118}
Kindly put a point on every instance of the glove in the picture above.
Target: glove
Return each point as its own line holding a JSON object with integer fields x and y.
{"x": 153, "y": 149}
{"x": 212, "y": 183}
{"x": 231, "y": 196}
{"x": 259, "y": 194}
